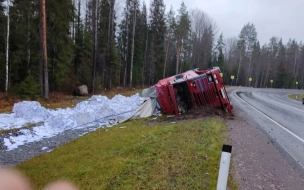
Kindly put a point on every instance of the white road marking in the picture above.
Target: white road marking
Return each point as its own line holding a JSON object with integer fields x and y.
{"x": 284, "y": 128}
{"x": 282, "y": 104}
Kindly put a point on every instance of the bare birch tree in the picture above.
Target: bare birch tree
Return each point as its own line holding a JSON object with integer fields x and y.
{"x": 127, "y": 46}
{"x": 7, "y": 48}
{"x": 133, "y": 34}
{"x": 95, "y": 10}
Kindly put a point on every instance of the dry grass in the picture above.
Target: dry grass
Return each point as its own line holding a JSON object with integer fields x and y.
{"x": 59, "y": 100}
{"x": 298, "y": 97}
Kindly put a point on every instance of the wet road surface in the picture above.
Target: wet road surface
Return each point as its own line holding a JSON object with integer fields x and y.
{"x": 279, "y": 116}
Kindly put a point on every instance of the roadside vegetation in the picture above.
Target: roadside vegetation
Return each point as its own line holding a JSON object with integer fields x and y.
{"x": 298, "y": 97}
{"x": 138, "y": 154}
{"x": 60, "y": 100}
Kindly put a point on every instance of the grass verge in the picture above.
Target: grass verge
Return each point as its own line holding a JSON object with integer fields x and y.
{"x": 137, "y": 155}
{"x": 298, "y": 97}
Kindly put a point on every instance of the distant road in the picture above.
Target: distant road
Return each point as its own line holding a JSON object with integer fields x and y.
{"x": 279, "y": 116}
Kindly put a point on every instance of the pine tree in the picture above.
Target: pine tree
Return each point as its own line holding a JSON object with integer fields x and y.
{"x": 220, "y": 46}
{"x": 94, "y": 32}
{"x": 78, "y": 39}
{"x": 44, "y": 50}
{"x": 2, "y": 47}
{"x": 182, "y": 35}
{"x": 103, "y": 67}
{"x": 170, "y": 59}
{"x": 140, "y": 45}
{"x": 145, "y": 35}
{"x": 247, "y": 38}
{"x": 83, "y": 52}
{"x": 24, "y": 41}
{"x": 60, "y": 45}
{"x": 7, "y": 48}
{"x": 124, "y": 42}
{"x": 134, "y": 16}
{"x": 280, "y": 80}
{"x": 158, "y": 29}
{"x": 256, "y": 61}
{"x": 122, "y": 48}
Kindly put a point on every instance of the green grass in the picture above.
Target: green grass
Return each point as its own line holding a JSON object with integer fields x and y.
{"x": 137, "y": 155}
{"x": 296, "y": 97}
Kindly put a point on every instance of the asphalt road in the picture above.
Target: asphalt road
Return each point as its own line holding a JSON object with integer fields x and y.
{"x": 279, "y": 116}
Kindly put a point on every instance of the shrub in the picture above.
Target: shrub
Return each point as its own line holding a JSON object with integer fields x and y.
{"x": 29, "y": 88}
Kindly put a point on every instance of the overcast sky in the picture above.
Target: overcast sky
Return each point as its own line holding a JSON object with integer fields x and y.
{"x": 279, "y": 18}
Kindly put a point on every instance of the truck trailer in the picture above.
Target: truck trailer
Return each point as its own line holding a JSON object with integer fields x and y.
{"x": 194, "y": 88}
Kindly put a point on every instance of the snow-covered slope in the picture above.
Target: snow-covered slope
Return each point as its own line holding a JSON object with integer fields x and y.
{"x": 97, "y": 111}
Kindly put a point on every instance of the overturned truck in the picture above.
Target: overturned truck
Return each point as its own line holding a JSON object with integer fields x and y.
{"x": 193, "y": 88}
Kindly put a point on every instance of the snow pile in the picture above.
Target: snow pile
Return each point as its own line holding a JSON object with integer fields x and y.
{"x": 28, "y": 109}
{"x": 97, "y": 111}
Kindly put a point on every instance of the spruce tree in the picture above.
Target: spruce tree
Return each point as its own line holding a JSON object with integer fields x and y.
{"x": 157, "y": 37}
{"x": 170, "y": 63}
{"x": 2, "y": 47}
{"x": 220, "y": 58}
{"x": 182, "y": 36}
{"x": 60, "y": 45}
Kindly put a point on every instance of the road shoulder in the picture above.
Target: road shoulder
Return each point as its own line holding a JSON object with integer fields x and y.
{"x": 257, "y": 162}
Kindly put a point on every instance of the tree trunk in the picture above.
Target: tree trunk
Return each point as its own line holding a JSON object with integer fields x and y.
{"x": 44, "y": 50}
{"x": 127, "y": 46}
{"x": 181, "y": 67}
{"x": 132, "y": 53}
{"x": 111, "y": 40}
{"x": 145, "y": 61}
{"x": 238, "y": 72}
{"x": 267, "y": 72}
{"x": 28, "y": 45}
{"x": 95, "y": 2}
{"x": 105, "y": 82}
{"x": 302, "y": 81}
{"x": 295, "y": 70}
{"x": 7, "y": 47}
{"x": 249, "y": 71}
{"x": 73, "y": 24}
{"x": 178, "y": 55}
{"x": 164, "y": 74}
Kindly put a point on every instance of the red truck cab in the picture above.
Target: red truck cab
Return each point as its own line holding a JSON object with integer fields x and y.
{"x": 193, "y": 88}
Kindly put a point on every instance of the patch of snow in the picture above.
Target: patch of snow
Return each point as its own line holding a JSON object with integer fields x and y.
{"x": 96, "y": 111}
{"x": 28, "y": 109}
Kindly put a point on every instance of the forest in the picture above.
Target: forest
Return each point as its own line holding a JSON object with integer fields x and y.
{"x": 56, "y": 45}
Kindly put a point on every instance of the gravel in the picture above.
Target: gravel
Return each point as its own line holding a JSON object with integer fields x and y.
{"x": 30, "y": 150}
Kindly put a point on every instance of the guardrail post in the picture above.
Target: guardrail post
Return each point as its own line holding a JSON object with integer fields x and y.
{"x": 224, "y": 167}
